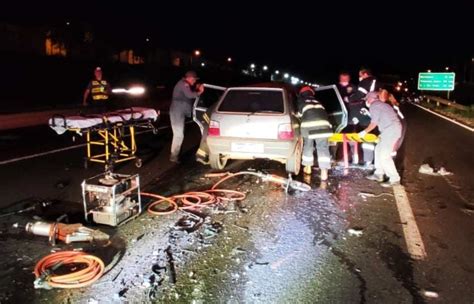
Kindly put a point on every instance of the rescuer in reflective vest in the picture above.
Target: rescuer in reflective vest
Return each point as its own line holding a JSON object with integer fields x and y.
{"x": 315, "y": 129}
{"x": 358, "y": 113}
{"x": 98, "y": 88}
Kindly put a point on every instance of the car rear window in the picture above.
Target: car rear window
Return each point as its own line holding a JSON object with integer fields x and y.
{"x": 253, "y": 101}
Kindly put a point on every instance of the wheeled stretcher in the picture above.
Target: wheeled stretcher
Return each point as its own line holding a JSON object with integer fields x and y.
{"x": 113, "y": 132}
{"x": 345, "y": 138}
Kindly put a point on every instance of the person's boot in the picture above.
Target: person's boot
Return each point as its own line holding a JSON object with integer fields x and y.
{"x": 324, "y": 174}
{"x": 202, "y": 160}
{"x": 307, "y": 170}
{"x": 375, "y": 177}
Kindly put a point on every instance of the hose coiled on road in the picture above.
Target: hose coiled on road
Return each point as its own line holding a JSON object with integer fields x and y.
{"x": 78, "y": 275}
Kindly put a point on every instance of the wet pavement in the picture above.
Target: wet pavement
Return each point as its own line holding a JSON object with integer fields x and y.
{"x": 341, "y": 242}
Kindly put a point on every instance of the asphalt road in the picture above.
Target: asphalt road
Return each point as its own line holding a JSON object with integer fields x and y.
{"x": 328, "y": 245}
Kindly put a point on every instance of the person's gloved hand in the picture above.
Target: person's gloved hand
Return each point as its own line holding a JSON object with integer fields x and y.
{"x": 362, "y": 134}
{"x": 200, "y": 88}
{"x": 365, "y": 112}
{"x": 355, "y": 121}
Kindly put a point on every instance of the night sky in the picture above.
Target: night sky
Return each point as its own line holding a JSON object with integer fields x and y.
{"x": 309, "y": 39}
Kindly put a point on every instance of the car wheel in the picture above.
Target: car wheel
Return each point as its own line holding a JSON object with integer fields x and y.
{"x": 293, "y": 163}
{"x": 217, "y": 161}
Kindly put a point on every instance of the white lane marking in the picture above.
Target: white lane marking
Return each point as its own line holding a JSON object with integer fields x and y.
{"x": 444, "y": 117}
{"x": 13, "y": 160}
{"x": 415, "y": 245}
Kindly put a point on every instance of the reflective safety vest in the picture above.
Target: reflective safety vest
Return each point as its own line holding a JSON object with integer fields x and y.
{"x": 314, "y": 119}
{"x": 99, "y": 90}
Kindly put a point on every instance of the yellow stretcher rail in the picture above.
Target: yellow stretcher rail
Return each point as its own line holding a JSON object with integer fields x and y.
{"x": 353, "y": 137}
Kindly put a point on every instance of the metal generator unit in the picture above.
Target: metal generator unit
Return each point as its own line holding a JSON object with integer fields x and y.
{"x": 111, "y": 199}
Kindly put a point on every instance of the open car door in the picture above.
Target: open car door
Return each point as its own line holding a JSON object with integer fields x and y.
{"x": 203, "y": 103}
{"x": 330, "y": 98}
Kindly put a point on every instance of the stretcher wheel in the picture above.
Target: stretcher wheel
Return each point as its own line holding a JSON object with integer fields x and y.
{"x": 109, "y": 167}
{"x": 138, "y": 163}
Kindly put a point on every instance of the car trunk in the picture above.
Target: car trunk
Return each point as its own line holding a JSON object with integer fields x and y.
{"x": 255, "y": 126}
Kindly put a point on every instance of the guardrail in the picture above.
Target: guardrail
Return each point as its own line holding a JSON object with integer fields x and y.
{"x": 449, "y": 103}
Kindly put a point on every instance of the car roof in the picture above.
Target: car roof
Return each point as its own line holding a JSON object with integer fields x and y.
{"x": 267, "y": 86}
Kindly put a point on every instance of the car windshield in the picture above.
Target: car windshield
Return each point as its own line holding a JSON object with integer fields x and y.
{"x": 253, "y": 101}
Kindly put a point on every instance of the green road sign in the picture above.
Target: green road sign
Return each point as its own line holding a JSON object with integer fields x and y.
{"x": 436, "y": 81}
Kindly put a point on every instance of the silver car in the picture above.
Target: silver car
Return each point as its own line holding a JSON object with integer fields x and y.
{"x": 255, "y": 122}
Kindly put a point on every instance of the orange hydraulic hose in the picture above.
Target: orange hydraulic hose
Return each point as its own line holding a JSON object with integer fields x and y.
{"x": 197, "y": 199}
{"x": 75, "y": 279}
{"x": 161, "y": 199}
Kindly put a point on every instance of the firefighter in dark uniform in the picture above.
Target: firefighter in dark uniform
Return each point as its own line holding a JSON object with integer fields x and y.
{"x": 315, "y": 129}
{"x": 359, "y": 114}
{"x": 181, "y": 107}
{"x": 98, "y": 88}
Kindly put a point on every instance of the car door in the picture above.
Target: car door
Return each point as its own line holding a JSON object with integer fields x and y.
{"x": 205, "y": 102}
{"x": 332, "y": 101}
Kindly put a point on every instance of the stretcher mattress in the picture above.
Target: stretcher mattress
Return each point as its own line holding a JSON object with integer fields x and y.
{"x": 60, "y": 124}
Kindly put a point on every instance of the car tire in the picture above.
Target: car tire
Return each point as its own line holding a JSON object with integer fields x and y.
{"x": 217, "y": 161}
{"x": 293, "y": 163}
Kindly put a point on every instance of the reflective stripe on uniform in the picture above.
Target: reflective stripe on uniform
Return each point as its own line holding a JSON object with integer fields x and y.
{"x": 307, "y": 158}
{"x": 206, "y": 118}
{"x": 372, "y": 86}
{"x": 324, "y": 159}
{"x": 321, "y": 135}
{"x": 362, "y": 90}
{"x": 99, "y": 97}
{"x": 317, "y": 123}
{"x": 399, "y": 113}
{"x": 367, "y": 146}
{"x": 312, "y": 106}
{"x": 355, "y": 158}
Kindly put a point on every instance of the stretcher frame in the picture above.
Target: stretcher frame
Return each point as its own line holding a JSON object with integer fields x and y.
{"x": 345, "y": 138}
{"x": 113, "y": 138}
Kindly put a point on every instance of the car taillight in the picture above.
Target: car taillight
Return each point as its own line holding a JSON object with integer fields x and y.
{"x": 214, "y": 129}
{"x": 285, "y": 131}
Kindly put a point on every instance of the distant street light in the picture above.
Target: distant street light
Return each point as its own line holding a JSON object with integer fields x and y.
{"x": 252, "y": 66}
{"x": 265, "y": 68}
{"x": 229, "y": 59}
{"x": 286, "y": 75}
{"x": 147, "y": 39}
{"x": 446, "y": 68}
{"x": 406, "y": 89}
{"x": 277, "y": 72}
{"x": 203, "y": 64}
{"x": 429, "y": 71}
{"x": 197, "y": 53}
{"x": 68, "y": 23}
